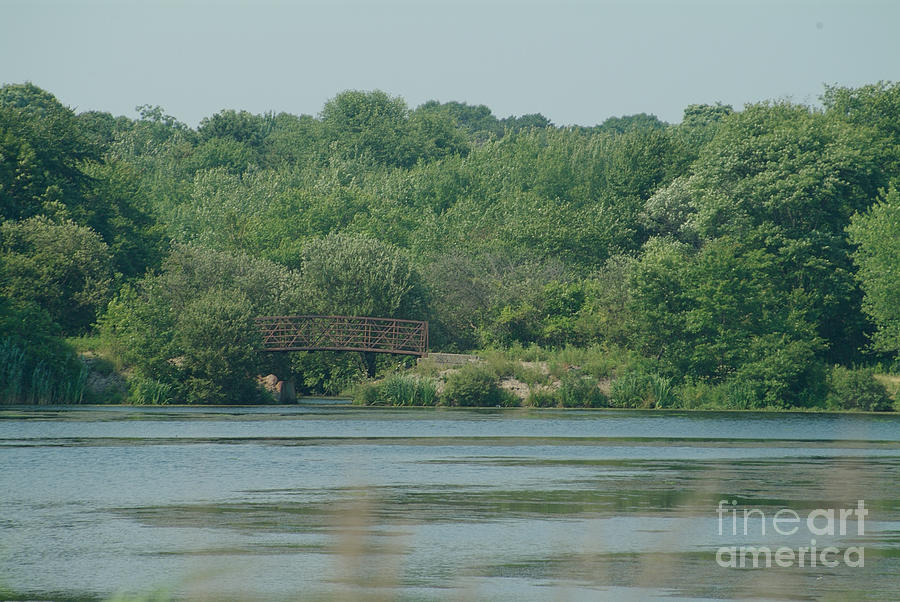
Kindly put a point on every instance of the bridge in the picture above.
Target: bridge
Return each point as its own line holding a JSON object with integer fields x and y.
{"x": 343, "y": 333}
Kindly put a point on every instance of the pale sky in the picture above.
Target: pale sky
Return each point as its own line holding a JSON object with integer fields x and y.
{"x": 574, "y": 61}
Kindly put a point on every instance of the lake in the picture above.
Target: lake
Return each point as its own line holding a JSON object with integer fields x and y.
{"x": 326, "y": 501}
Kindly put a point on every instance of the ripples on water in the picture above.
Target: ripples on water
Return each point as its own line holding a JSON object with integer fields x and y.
{"x": 329, "y": 502}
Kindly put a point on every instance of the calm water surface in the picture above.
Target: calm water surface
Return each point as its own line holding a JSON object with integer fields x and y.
{"x": 332, "y": 502}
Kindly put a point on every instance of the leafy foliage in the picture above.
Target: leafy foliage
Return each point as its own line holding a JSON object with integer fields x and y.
{"x": 850, "y": 389}
{"x": 36, "y": 365}
{"x": 729, "y": 258}
{"x": 579, "y": 390}
{"x": 64, "y": 268}
{"x": 877, "y": 234}
{"x": 474, "y": 386}
{"x": 191, "y": 325}
{"x": 356, "y": 275}
{"x": 790, "y": 179}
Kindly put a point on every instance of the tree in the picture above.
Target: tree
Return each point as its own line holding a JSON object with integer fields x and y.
{"x": 741, "y": 325}
{"x": 877, "y": 236}
{"x": 43, "y": 148}
{"x": 235, "y": 157}
{"x": 720, "y": 315}
{"x": 64, "y": 268}
{"x": 233, "y": 212}
{"x": 293, "y": 140}
{"x": 101, "y": 128}
{"x": 548, "y": 316}
{"x": 670, "y": 211}
{"x": 525, "y": 122}
{"x": 628, "y": 123}
{"x": 356, "y": 275}
{"x": 637, "y": 163}
{"x": 239, "y": 126}
{"x": 367, "y": 124}
{"x": 698, "y": 127}
{"x": 190, "y": 326}
{"x": 698, "y": 116}
{"x": 51, "y": 164}
{"x": 432, "y": 136}
{"x": 790, "y": 178}
{"x": 231, "y": 139}
{"x": 875, "y": 107}
{"x": 477, "y": 121}
{"x": 114, "y": 206}
{"x": 658, "y": 301}
{"x": 220, "y": 348}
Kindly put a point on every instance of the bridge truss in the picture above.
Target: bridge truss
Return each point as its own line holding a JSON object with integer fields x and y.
{"x": 343, "y": 333}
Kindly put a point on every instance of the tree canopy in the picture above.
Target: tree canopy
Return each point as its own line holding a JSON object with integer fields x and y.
{"x": 748, "y": 250}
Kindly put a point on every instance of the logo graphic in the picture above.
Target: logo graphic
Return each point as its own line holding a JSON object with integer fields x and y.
{"x": 787, "y": 523}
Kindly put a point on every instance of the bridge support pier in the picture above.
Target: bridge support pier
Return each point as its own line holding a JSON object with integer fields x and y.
{"x": 369, "y": 360}
{"x": 288, "y": 392}
{"x": 282, "y": 391}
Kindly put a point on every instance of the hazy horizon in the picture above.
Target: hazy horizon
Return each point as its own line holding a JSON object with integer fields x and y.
{"x": 575, "y": 62}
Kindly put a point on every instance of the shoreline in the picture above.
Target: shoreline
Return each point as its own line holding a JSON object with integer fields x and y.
{"x": 495, "y": 409}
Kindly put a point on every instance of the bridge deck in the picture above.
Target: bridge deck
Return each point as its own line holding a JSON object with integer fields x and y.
{"x": 343, "y": 333}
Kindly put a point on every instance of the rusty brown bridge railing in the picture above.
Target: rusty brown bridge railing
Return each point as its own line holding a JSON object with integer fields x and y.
{"x": 343, "y": 333}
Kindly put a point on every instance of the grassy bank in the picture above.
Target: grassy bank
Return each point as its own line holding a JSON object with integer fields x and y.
{"x": 601, "y": 377}
{"x": 571, "y": 377}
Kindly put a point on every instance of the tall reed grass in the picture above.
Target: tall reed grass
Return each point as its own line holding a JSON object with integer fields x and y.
{"x": 12, "y": 371}
{"x": 27, "y": 380}
{"x": 149, "y": 391}
{"x": 399, "y": 390}
{"x": 637, "y": 389}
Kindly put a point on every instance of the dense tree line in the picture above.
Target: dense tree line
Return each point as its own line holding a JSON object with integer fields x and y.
{"x": 745, "y": 251}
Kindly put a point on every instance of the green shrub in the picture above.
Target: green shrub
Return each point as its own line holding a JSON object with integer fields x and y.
{"x": 508, "y": 399}
{"x": 532, "y": 353}
{"x": 498, "y": 363}
{"x": 856, "y": 390}
{"x": 327, "y": 372}
{"x": 734, "y": 394}
{"x": 629, "y": 391}
{"x": 785, "y": 375}
{"x": 579, "y": 391}
{"x": 72, "y": 389}
{"x": 428, "y": 391}
{"x": 740, "y": 395}
{"x": 542, "y": 397}
{"x": 638, "y": 389}
{"x": 475, "y": 386}
{"x": 696, "y": 395}
{"x": 597, "y": 361}
{"x": 41, "y": 390}
{"x": 662, "y": 391}
{"x": 426, "y": 366}
{"x": 891, "y": 382}
{"x": 398, "y": 390}
{"x": 149, "y": 391}
{"x": 407, "y": 390}
{"x": 365, "y": 393}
